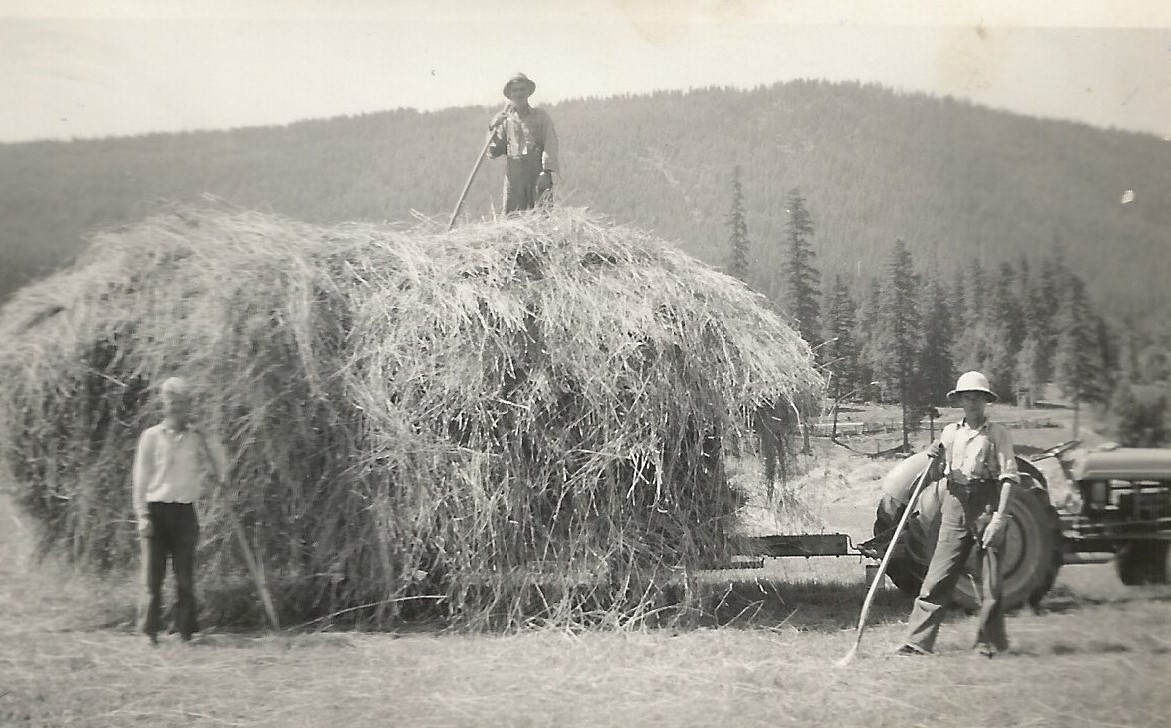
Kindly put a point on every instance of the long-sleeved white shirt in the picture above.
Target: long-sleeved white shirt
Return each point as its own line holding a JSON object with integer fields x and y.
{"x": 170, "y": 465}
{"x": 979, "y": 453}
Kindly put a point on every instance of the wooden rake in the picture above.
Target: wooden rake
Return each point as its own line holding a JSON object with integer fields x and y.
{"x": 255, "y": 569}
{"x": 919, "y": 485}
{"x": 475, "y": 168}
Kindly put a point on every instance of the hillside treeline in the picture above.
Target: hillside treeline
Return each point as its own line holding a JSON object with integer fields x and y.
{"x": 907, "y": 331}
{"x": 955, "y": 181}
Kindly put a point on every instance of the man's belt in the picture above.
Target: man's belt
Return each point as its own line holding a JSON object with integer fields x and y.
{"x": 974, "y": 485}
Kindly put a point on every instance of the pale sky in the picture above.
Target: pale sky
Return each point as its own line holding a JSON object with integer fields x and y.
{"x": 72, "y": 68}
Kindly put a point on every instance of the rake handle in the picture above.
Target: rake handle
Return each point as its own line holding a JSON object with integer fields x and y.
{"x": 468, "y": 185}
{"x": 253, "y": 566}
{"x": 255, "y": 570}
{"x": 919, "y": 484}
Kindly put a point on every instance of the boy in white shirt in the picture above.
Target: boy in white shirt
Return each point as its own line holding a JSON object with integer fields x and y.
{"x": 170, "y": 464}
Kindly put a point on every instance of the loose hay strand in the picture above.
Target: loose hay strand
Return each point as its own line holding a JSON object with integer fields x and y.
{"x": 524, "y": 419}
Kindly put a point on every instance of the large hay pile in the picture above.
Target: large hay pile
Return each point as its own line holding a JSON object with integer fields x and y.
{"x": 413, "y": 417}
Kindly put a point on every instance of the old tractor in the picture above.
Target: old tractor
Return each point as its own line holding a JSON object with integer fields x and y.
{"x": 1112, "y": 504}
{"x": 1120, "y": 504}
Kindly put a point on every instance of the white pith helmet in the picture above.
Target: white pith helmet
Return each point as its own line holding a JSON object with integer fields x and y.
{"x": 973, "y": 382}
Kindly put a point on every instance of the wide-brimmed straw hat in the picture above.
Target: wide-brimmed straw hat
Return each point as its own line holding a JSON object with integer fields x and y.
{"x": 520, "y": 78}
{"x": 973, "y": 382}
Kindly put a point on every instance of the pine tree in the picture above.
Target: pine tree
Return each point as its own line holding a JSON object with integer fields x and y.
{"x": 899, "y": 335}
{"x": 997, "y": 359}
{"x": 866, "y": 332}
{"x": 1007, "y": 308}
{"x": 975, "y": 291}
{"x": 1139, "y": 423}
{"x": 970, "y": 349}
{"x": 1128, "y": 354}
{"x": 1030, "y": 372}
{"x": 1044, "y": 299}
{"x": 1075, "y": 361}
{"x": 1154, "y": 364}
{"x": 1001, "y": 333}
{"x": 1023, "y": 279}
{"x": 841, "y": 351}
{"x": 1106, "y": 345}
{"x": 959, "y": 297}
{"x": 800, "y": 276}
{"x": 935, "y": 362}
{"x": 738, "y": 245}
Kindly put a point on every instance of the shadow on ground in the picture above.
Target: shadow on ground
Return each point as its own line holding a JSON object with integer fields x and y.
{"x": 803, "y": 607}
{"x": 1062, "y": 599}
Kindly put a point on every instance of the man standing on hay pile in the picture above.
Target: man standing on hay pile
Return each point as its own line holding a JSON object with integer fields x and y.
{"x": 526, "y": 135}
{"x": 976, "y": 456}
{"x": 170, "y": 464}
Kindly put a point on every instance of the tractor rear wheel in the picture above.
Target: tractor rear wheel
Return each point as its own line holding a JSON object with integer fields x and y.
{"x": 1030, "y": 559}
{"x": 1143, "y": 562}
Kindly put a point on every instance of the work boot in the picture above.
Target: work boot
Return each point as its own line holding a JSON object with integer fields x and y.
{"x": 988, "y": 649}
{"x": 153, "y": 639}
{"x": 909, "y": 649}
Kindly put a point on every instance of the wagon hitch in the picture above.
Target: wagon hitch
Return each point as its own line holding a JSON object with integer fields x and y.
{"x": 876, "y": 547}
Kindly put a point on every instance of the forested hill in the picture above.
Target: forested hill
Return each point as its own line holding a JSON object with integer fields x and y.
{"x": 951, "y": 179}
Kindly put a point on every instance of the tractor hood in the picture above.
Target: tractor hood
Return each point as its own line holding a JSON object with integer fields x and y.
{"x": 1125, "y": 463}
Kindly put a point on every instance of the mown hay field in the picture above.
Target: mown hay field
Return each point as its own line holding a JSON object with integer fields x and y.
{"x": 1097, "y": 655}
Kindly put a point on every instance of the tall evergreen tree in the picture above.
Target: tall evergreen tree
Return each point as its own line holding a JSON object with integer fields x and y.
{"x": 1045, "y": 299}
{"x": 842, "y": 349}
{"x": 1023, "y": 279}
{"x": 975, "y": 293}
{"x": 1106, "y": 345}
{"x": 1075, "y": 360}
{"x": 899, "y": 333}
{"x": 959, "y": 295}
{"x": 801, "y": 276}
{"x": 1128, "y": 354}
{"x": 1154, "y": 364}
{"x": 1006, "y": 307}
{"x": 738, "y": 246}
{"x": 866, "y": 333}
{"x": 1003, "y": 331}
{"x": 938, "y": 333}
{"x": 1139, "y": 422}
{"x": 996, "y": 358}
{"x": 1030, "y": 372}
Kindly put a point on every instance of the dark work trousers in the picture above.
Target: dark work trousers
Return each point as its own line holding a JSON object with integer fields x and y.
{"x": 961, "y": 527}
{"x": 176, "y": 533}
{"x": 520, "y": 182}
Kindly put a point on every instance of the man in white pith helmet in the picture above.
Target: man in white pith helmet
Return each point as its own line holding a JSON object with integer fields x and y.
{"x": 526, "y": 136}
{"x": 170, "y": 464}
{"x": 976, "y": 456}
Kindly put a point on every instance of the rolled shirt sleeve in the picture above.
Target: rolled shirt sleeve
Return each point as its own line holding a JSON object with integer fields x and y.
{"x": 1005, "y": 456}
